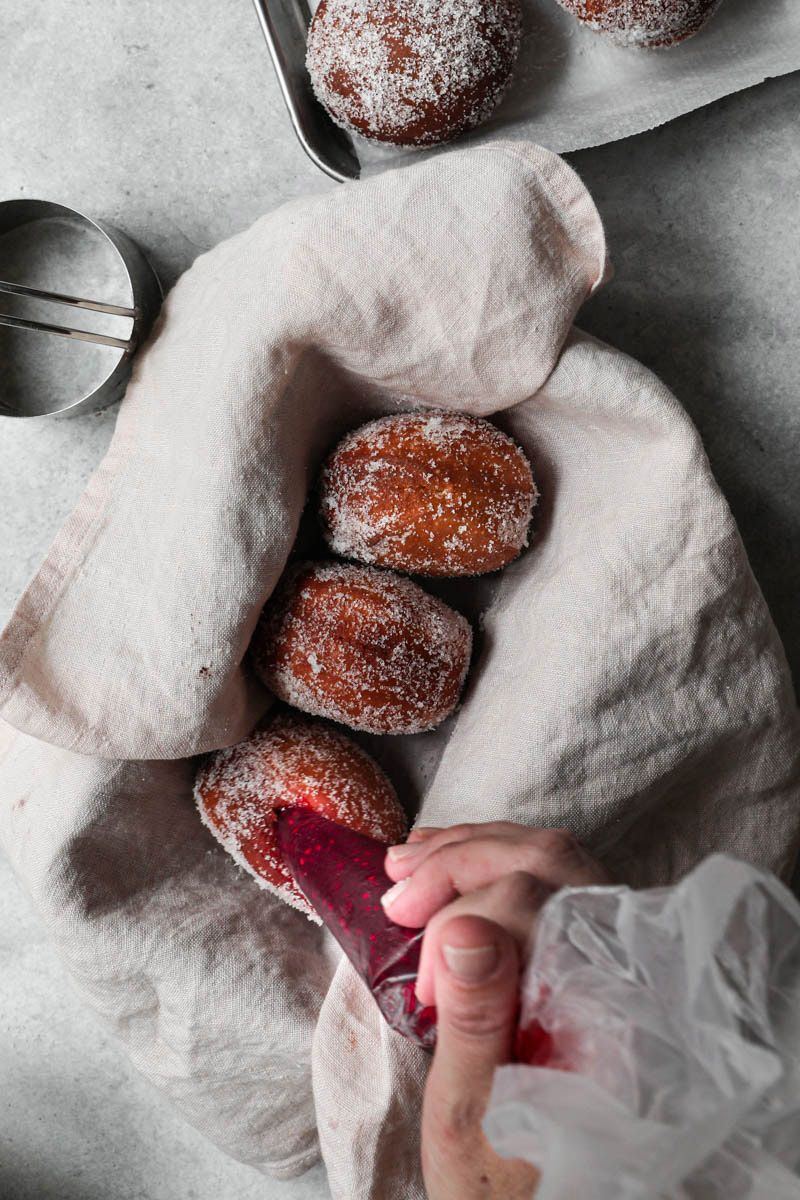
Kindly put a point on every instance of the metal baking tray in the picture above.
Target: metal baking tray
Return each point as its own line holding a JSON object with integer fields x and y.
{"x": 284, "y": 24}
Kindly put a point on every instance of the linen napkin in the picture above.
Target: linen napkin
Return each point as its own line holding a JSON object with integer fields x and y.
{"x": 629, "y": 681}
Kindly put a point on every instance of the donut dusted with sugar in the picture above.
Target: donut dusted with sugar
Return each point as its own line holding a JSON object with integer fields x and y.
{"x": 292, "y": 761}
{"x": 432, "y": 493}
{"x": 412, "y": 72}
{"x": 649, "y": 23}
{"x": 368, "y": 648}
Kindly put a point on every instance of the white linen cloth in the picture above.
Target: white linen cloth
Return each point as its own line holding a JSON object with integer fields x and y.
{"x": 630, "y": 683}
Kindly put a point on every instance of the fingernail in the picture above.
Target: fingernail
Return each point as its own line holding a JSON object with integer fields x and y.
{"x": 472, "y": 963}
{"x": 391, "y": 895}
{"x": 405, "y": 850}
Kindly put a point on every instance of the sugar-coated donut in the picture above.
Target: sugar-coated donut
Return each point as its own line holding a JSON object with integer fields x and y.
{"x": 368, "y": 648}
{"x": 432, "y": 493}
{"x": 291, "y": 761}
{"x": 649, "y": 23}
{"x": 412, "y": 72}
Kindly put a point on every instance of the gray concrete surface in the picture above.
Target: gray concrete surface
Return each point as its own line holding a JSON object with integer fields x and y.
{"x": 165, "y": 119}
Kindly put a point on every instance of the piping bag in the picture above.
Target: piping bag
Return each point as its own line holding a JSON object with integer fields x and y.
{"x": 341, "y": 874}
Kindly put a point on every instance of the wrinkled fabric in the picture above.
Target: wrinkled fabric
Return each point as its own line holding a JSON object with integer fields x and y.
{"x": 455, "y": 283}
{"x": 628, "y": 682}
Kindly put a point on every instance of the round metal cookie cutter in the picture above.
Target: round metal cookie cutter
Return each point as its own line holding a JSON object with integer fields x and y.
{"x": 145, "y": 294}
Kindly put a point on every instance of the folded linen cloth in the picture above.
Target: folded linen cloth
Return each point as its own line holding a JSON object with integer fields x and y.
{"x": 629, "y": 684}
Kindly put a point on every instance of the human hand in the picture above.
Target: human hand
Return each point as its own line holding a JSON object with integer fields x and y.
{"x": 477, "y": 889}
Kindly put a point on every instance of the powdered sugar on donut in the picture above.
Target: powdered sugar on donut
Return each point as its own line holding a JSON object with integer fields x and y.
{"x": 648, "y": 23}
{"x": 292, "y": 761}
{"x": 430, "y": 493}
{"x": 412, "y": 72}
{"x": 364, "y": 647}
{"x": 230, "y": 839}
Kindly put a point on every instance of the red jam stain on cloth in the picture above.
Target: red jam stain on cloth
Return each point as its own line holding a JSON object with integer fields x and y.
{"x": 341, "y": 874}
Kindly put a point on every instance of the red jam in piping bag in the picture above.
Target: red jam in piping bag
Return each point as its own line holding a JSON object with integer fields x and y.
{"x": 341, "y": 874}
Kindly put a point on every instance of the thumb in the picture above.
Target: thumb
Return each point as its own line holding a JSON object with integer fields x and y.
{"x": 476, "y": 984}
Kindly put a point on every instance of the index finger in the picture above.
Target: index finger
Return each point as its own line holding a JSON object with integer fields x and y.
{"x": 406, "y": 856}
{"x": 421, "y": 833}
{"x": 554, "y": 857}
